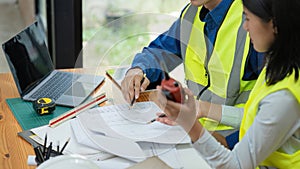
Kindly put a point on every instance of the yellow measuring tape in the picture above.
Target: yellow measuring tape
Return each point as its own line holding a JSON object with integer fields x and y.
{"x": 44, "y": 106}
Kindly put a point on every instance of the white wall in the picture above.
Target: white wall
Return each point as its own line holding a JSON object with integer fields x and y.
{"x": 27, "y": 11}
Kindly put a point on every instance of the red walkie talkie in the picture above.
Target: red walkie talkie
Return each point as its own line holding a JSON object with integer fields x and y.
{"x": 172, "y": 88}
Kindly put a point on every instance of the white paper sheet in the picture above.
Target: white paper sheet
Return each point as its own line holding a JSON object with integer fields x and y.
{"x": 61, "y": 134}
{"x": 119, "y": 121}
{"x": 123, "y": 148}
{"x": 127, "y": 149}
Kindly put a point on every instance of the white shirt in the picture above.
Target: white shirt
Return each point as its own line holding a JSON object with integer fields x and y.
{"x": 276, "y": 126}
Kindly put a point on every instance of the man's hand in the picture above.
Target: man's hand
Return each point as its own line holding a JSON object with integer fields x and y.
{"x": 133, "y": 83}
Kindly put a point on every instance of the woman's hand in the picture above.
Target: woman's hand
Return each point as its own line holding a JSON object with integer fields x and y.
{"x": 183, "y": 114}
{"x": 165, "y": 120}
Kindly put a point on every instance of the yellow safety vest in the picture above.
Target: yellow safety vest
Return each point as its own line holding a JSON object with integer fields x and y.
{"x": 226, "y": 64}
{"x": 260, "y": 91}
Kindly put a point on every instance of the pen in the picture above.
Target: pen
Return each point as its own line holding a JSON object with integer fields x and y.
{"x": 75, "y": 111}
{"x": 133, "y": 99}
{"x": 61, "y": 151}
{"x": 49, "y": 149}
{"x": 160, "y": 116}
{"x": 39, "y": 155}
{"x": 45, "y": 144}
{"x": 57, "y": 147}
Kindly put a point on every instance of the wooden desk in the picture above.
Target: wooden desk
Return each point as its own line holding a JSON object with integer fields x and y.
{"x": 13, "y": 149}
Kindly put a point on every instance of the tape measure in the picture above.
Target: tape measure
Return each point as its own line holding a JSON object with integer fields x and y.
{"x": 44, "y": 106}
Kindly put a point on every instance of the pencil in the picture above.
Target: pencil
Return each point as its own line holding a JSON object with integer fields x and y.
{"x": 113, "y": 80}
{"x": 65, "y": 145}
{"x": 75, "y": 111}
{"x": 160, "y": 116}
{"x": 133, "y": 99}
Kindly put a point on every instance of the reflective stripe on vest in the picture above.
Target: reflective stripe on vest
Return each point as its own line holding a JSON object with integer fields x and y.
{"x": 261, "y": 90}
{"x": 225, "y": 69}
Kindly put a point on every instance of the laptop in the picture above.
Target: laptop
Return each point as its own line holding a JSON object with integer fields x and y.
{"x": 34, "y": 74}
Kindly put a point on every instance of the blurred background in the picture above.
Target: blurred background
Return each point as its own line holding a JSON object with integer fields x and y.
{"x": 90, "y": 33}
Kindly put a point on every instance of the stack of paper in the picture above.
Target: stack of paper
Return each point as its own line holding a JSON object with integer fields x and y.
{"x": 120, "y": 131}
{"x": 125, "y": 132}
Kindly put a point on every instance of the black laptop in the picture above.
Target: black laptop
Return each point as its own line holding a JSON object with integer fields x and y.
{"x": 34, "y": 73}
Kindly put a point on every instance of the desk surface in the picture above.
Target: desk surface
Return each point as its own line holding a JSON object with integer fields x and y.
{"x": 13, "y": 149}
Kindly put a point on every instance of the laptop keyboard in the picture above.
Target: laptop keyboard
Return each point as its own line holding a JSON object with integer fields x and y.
{"x": 56, "y": 85}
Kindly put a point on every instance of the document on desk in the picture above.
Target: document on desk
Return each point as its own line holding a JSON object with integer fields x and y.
{"x": 62, "y": 133}
{"x": 127, "y": 149}
{"x": 121, "y": 121}
{"x": 124, "y": 132}
{"x": 117, "y": 131}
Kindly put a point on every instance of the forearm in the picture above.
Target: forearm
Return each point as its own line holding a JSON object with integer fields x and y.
{"x": 228, "y": 115}
{"x": 210, "y": 110}
{"x": 195, "y": 132}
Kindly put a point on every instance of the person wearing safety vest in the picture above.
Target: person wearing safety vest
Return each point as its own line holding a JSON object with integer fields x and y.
{"x": 219, "y": 61}
{"x": 270, "y": 128}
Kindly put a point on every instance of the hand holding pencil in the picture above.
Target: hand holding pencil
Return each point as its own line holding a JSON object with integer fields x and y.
{"x": 135, "y": 96}
{"x": 161, "y": 117}
{"x": 134, "y": 82}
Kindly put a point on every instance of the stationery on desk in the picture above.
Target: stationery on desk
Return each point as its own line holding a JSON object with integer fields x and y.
{"x": 26, "y": 115}
{"x": 75, "y": 111}
{"x": 116, "y": 130}
{"x": 44, "y": 152}
{"x": 28, "y": 118}
{"x": 108, "y": 74}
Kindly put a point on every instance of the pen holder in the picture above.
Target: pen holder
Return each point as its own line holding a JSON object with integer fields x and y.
{"x": 44, "y": 155}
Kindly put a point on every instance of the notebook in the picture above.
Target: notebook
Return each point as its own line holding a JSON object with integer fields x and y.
{"x": 34, "y": 74}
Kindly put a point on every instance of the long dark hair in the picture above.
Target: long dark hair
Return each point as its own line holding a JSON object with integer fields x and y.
{"x": 283, "y": 56}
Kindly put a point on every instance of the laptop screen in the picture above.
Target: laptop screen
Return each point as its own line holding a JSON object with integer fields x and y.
{"x": 28, "y": 57}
